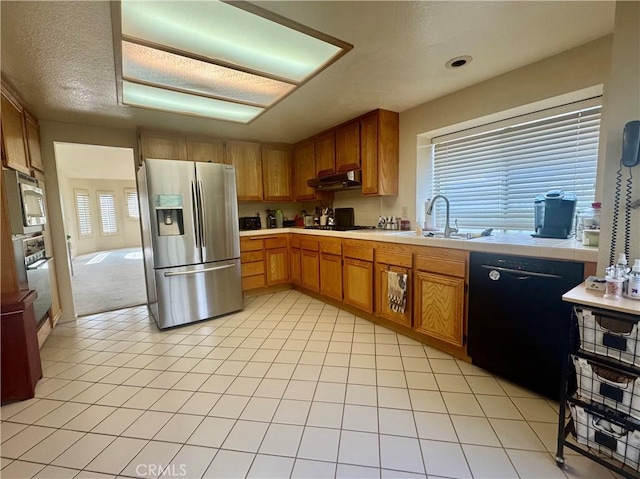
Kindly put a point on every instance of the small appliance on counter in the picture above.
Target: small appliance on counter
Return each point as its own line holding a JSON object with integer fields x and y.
{"x": 250, "y": 223}
{"x": 554, "y": 213}
{"x": 271, "y": 219}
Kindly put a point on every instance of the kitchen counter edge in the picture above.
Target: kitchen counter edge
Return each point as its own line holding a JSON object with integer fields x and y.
{"x": 513, "y": 244}
{"x": 589, "y": 297}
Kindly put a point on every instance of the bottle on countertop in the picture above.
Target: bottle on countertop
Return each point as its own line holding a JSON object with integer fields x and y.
{"x": 622, "y": 266}
{"x": 634, "y": 281}
{"x": 279, "y": 219}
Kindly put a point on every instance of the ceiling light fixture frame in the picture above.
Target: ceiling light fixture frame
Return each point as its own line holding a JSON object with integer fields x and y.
{"x": 118, "y": 38}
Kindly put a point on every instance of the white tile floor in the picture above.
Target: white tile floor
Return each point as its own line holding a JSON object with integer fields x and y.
{"x": 289, "y": 387}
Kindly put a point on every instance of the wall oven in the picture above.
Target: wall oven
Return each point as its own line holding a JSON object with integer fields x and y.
{"x": 33, "y": 267}
{"x": 26, "y": 203}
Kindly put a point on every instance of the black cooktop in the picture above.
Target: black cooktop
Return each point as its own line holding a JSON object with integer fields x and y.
{"x": 340, "y": 228}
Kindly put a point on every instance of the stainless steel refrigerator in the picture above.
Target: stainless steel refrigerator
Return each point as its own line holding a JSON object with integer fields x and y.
{"x": 189, "y": 217}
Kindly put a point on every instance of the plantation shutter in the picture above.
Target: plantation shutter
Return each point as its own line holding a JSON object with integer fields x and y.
{"x": 492, "y": 178}
{"x": 131, "y": 197}
{"x": 107, "y": 213}
{"x": 84, "y": 213}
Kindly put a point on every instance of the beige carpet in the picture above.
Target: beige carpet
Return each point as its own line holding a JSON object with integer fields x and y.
{"x": 108, "y": 280}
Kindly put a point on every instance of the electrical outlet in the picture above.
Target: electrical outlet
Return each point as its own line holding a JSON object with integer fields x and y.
{"x": 404, "y": 211}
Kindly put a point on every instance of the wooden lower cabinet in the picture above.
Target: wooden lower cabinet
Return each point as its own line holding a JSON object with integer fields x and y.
{"x": 331, "y": 275}
{"x": 310, "y": 268}
{"x": 393, "y": 261}
{"x": 294, "y": 266}
{"x": 439, "y": 307}
{"x": 357, "y": 283}
{"x": 252, "y": 263}
{"x": 277, "y": 266}
{"x": 381, "y": 284}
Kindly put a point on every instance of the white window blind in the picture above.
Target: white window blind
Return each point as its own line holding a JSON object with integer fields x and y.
{"x": 492, "y": 178}
{"x": 107, "y": 213}
{"x": 83, "y": 213}
{"x": 131, "y": 198}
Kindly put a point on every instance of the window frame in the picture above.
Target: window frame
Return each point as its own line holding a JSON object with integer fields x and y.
{"x": 99, "y": 194}
{"x": 83, "y": 192}
{"x": 129, "y": 216}
{"x": 507, "y": 220}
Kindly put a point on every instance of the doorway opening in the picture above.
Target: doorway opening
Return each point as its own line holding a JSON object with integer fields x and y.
{"x": 102, "y": 226}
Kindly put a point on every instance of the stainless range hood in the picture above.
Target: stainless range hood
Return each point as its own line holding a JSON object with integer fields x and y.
{"x": 339, "y": 181}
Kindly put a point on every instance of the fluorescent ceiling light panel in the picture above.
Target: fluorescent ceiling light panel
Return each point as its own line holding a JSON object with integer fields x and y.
{"x": 159, "y": 68}
{"x": 161, "y": 99}
{"x": 228, "y": 61}
{"x": 227, "y": 34}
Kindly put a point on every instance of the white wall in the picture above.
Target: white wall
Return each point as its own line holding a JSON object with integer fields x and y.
{"x": 582, "y": 67}
{"x": 128, "y": 234}
{"x": 621, "y": 104}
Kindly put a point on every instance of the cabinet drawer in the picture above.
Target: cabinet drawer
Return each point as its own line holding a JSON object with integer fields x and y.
{"x": 251, "y": 244}
{"x": 275, "y": 242}
{"x": 251, "y": 256}
{"x": 450, "y": 267}
{"x": 250, "y": 269}
{"x": 393, "y": 258}
{"x": 253, "y": 282}
{"x": 295, "y": 241}
{"x": 309, "y": 245}
{"x": 355, "y": 252}
{"x": 331, "y": 248}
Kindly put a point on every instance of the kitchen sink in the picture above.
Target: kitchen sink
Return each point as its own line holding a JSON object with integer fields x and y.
{"x": 439, "y": 234}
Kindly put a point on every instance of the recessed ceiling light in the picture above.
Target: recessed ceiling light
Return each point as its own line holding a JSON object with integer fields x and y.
{"x": 458, "y": 62}
{"x": 217, "y": 51}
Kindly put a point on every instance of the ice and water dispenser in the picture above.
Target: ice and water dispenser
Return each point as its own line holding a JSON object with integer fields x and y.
{"x": 169, "y": 215}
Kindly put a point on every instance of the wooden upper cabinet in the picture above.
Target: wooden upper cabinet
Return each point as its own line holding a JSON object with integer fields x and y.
{"x": 13, "y": 141}
{"x": 163, "y": 145}
{"x": 33, "y": 142}
{"x": 304, "y": 168}
{"x": 325, "y": 153}
{"x": 379, "y": 152}
{"x": 276, "y": 172}
{"x": 246, "y": 157}
{"x": 348, "y": 146}
{"x": 206, "y": 150}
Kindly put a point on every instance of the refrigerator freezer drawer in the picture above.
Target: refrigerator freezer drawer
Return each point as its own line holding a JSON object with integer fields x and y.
{"x": 194, "y": 293}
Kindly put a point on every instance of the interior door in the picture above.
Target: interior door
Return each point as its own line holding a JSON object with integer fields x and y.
{"x": 171, "y": 189}
{"x": 219, "y": 211}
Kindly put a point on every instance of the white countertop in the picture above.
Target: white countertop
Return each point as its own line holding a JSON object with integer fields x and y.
{"x": 507, "y": 243}
{"x": 589, "y": 297}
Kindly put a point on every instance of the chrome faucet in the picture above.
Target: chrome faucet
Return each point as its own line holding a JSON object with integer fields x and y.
{"x": 447, "y": 229}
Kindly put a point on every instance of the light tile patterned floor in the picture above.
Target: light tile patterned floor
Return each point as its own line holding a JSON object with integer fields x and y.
{"x": 289, "y": 387}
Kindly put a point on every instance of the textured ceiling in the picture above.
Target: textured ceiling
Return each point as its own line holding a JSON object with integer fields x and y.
{"x": 59, "y": 56}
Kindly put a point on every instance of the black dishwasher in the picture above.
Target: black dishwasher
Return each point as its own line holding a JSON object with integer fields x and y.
{"x": 517, "y": 321}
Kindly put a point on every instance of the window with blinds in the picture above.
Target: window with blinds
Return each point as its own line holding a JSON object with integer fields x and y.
{"x": 131, "y": 200}
{"x": 107, "y": 204}
{"x": 83, "y": 213}
{"x": 492, "y": 178}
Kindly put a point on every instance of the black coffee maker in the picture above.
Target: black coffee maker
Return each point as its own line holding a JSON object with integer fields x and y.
{"x": 554, "y": 212}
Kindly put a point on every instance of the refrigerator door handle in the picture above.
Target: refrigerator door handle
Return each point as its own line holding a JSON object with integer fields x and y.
{"x": 196, "y": 216}
{"x": 202, "y": 213}
{"x": 183, "y": 273}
